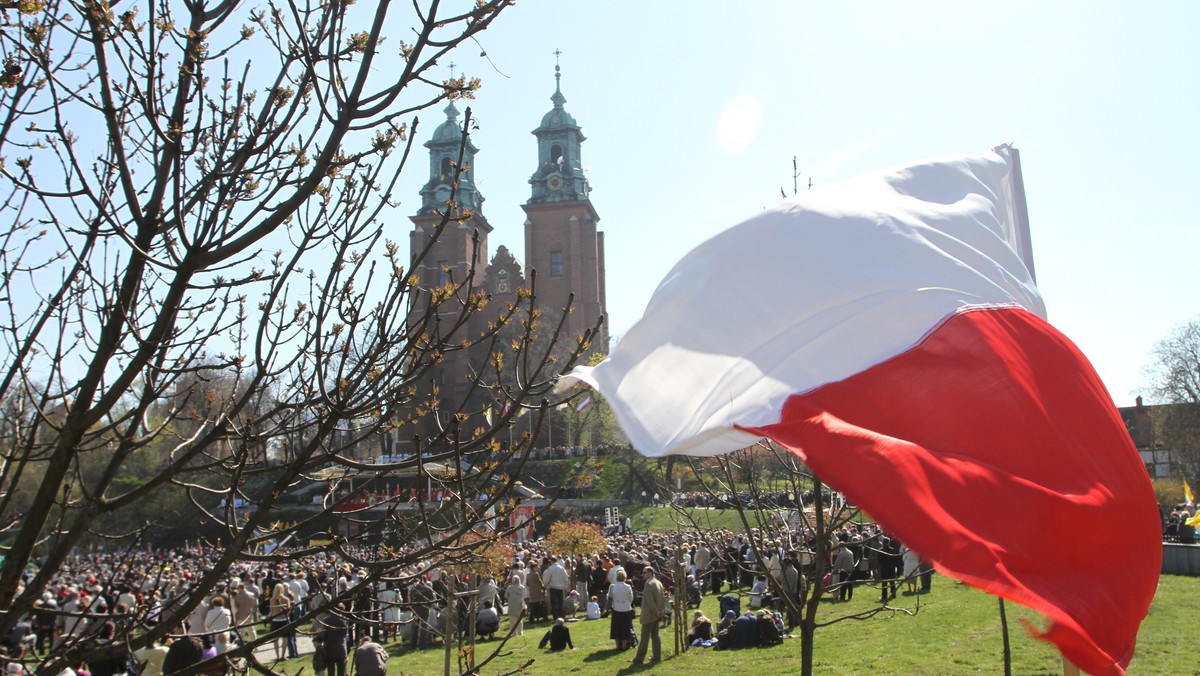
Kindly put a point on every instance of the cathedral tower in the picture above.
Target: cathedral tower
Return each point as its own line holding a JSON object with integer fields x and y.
{"x": 453, "y": 253}
{"x": 562, "y": 242}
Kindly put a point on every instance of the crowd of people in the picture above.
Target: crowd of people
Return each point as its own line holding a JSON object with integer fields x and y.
{"x": 1176, "y": 527}
{"x": 770, "y": 500}
{"x": 352, "y": 614}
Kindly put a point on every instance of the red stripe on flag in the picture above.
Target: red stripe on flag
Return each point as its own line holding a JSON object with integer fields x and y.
{"x": 994, "y": 451}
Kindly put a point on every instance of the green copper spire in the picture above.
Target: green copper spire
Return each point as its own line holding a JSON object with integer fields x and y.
{"x": 443, "y": 154}
{"x": 559, "y": 176}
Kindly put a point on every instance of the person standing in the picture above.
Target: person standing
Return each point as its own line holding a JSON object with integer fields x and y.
{"x": 843, "y": 572}
{"x": 488, "y": 592}
{"x": 245, "y": 603}
{"x": 598, "y": 586}
{"x": 654, "y": 611}
{"x": 620, "y": 601}
{"x": 421, "y": 598}
{"x": 217, "y": 623}
{"x": 514, "y": 594}
{"x": 583, "y": 575}
{"x": 389, "y": 600}
{"x": 535, "y": 600}
{"x": 45, "y": 613}
{"x": 889, "y": 567}
{"x": 281, "y": 605}
{"x": 556, "y": 580}
{"x": 703, "y": 559}
{"x": 333, "y": 630}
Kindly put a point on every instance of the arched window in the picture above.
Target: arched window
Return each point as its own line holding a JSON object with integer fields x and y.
{"x": 557, "y": 157}
{"x": 447, "y": 169}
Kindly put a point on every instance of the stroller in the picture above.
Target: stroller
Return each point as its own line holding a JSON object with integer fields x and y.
{"x": 731, "y": 602}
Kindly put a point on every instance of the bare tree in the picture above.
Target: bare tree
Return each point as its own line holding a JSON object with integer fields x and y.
{"x": 1176, "y": 383}
{"x": 778, "y": 500}
{"x": 197, "y": 285}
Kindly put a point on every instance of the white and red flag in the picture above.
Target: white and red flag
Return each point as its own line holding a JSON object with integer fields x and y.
{"x": 887, "y": 329}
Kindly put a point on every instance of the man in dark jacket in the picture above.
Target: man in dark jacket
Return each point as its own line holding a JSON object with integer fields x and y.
{"x": 334, "y": 629}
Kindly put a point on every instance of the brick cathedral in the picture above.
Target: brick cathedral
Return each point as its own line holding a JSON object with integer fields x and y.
{"x": 562, "y": 242}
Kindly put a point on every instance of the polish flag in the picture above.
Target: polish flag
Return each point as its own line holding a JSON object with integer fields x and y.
{"x": 887, "y": 329}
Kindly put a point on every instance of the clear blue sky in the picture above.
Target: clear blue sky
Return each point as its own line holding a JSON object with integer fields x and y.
{"x": 1102, "y": 99}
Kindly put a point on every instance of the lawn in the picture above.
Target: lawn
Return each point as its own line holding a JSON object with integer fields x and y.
{"x": 954, "y": 630}
{"x": 662, "y": 519}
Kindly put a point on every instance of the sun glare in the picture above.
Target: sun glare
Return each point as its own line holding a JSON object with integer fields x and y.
{"x": 739, "y": 123}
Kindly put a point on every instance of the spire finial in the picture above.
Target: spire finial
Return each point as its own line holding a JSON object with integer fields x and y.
{"x": 558, "y": 98}
{"x": 450, "y": 110}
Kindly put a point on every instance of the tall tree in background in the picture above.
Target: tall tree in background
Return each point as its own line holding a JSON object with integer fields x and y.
{"x": 1176, "y": 382}
{"x": 196, "y": 283}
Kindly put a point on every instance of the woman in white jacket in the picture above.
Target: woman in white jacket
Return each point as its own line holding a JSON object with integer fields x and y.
{"x": 514, "y": 595}
{"x": 217, "y": 624}
{"x": 620, "y": 600}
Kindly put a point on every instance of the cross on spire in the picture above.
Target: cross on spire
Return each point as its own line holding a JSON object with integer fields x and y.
{"x": 557, "y": 78}
{"x": 452, "y": 64}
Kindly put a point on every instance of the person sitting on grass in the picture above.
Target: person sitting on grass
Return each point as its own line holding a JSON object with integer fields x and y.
{"x": 726, "y": 621}
{"x": 370, "y": 659}
{"x": 593, "y": 609}
{"x": 702, "y": 629}
{"x": 487, "y": 621}
{"x": 745, "y": 631}
{"x": 559, "y": 637}
{"x": 758, "y": 593}
{"x": 725, "y": 636}
{"x": 768, "y": 631}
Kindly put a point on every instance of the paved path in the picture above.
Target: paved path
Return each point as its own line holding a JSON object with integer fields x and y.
{"x": 266, "y": 652}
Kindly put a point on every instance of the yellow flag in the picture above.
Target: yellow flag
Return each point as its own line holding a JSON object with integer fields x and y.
{"x": 1195, "y": 520}
{"x": 1187, "y": 493}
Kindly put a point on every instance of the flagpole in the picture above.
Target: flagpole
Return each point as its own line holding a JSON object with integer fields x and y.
{"x": 1024, "y": 244}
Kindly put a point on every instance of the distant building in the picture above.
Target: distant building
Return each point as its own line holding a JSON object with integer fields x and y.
{"x": 1160, "y": 453}
{"x": 562, "y": 244}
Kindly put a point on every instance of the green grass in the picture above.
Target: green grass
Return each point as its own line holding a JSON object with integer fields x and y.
{"x": 611, "y": 482}
{"x": 661, "y": 519}
{"x": 955, "y": 630}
